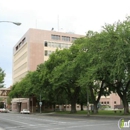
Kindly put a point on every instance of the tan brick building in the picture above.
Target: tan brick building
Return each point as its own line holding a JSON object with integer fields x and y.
{"x": 35, "y": 47}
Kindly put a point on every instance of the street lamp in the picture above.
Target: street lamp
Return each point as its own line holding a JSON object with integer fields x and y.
{"x": 16, "y": 23}
{"x": 40, "y": 103}
{"x": 88, "y": 114}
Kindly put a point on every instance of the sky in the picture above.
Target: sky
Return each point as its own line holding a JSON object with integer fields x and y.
{"x": 78, "y": 16}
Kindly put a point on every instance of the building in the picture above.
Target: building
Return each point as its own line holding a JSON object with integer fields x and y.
{"x": 35, "y": 47}
{"x": 4, "y": 100}
{"x": 32, "y": 49}
{"x": 113, "y": 101}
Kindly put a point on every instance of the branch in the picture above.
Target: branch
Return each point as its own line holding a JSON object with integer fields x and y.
{"x": 127, "y": 86}
{"x": 100, "y": 92}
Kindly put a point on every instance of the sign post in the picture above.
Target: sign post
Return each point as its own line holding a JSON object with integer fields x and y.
{"x": 40, "y": 103}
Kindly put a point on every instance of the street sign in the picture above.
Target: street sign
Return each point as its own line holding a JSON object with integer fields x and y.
{"x": 40, "y": 103}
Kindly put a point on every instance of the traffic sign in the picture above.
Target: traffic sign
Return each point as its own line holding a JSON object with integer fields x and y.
{"x": 40, "y": 103}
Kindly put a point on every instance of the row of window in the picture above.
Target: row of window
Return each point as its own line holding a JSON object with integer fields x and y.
{"x": 64, "y": 38}
{"x": 22, "y": 42}
{"x": 107, "y": 102}
{"x": 48, "y": 52}
{"x": 56, "y": 45}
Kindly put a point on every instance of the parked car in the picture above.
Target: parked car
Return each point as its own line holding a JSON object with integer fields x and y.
{"x": 3, "y": 110}
{"x": 25, "y": 111}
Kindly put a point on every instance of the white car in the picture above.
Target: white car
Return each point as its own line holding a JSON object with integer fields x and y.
{"x": 3, "y": 110}
{"x": 25, "y": 111}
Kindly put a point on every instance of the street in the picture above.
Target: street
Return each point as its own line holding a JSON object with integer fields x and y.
{"x": 10, "y": 121}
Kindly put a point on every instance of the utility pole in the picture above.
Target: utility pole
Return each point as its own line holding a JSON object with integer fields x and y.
{"x": 40, "y": 103}
{"x": 88, "y": 114}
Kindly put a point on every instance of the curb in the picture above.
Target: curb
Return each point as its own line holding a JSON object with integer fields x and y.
{"x": 83, "y": 116}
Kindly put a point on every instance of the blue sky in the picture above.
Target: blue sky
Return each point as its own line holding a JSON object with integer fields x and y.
{"x": 76, "y": 16}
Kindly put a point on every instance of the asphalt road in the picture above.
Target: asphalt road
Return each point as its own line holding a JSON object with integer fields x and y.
{"x": 10, "y": 121}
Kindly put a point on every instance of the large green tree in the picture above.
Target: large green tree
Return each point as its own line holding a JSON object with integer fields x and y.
{"x": 87, "y": 60}
{"x": 119, "y": 48}
{"x": 109, "y": 60}
{"x": 64, "y": 74}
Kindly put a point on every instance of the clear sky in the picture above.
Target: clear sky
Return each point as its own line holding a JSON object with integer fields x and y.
{"x": 76, "y": 16}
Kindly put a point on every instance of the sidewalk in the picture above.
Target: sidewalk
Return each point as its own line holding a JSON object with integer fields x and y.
{"x": 80, "y": 115}
{"x": 83, "y": 116}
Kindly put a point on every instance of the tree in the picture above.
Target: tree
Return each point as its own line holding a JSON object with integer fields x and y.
{"x": 64, "y": 74}
{"x": 119, "y": 47}
{"x": 2, "y": 75}
{"x": 82, "y": 98}
{"x": 22, "y": 88}
{"x": 108, "y": 54}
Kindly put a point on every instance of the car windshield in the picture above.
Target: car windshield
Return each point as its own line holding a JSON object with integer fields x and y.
{"x": 25, "y": 109}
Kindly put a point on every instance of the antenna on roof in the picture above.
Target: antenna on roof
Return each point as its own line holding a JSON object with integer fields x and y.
{"x": 58, "y": 22}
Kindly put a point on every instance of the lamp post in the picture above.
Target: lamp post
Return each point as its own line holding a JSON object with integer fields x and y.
{"x": 16, "y": 23}
{"x": 88, "y": 114}
{"x": 40, "y": 103}
{"x": 19, "y": 105}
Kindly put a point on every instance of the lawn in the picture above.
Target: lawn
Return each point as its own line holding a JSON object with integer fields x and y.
{"x": 100, "y": 112}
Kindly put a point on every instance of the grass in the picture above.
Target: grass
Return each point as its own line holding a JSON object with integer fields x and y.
{"x": 110, "y": 112}
{"x": 100, "y": 112}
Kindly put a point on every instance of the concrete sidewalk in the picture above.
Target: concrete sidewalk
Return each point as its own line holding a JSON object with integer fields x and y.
{"x": 79, "y": 115}
{"x": 83, "y": 116}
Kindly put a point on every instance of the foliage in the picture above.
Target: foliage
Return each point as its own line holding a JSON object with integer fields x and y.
{"x": 2, "y": 75}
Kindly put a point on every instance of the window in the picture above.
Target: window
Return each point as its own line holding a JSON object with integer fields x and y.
{"x": 23, "y": 40}
{"x": 19, "y": 44}
{"x": 45, "y": 43}
{"x": 114, "y": 102}
{"x": 77, "y": 106}
{"x": 104, "y": 102}
{"x": 57, "y": 106}
{"x": 49, "y": 52}
{"x": 46, "y": 52}
{"x": 74, "y": 38}
{"x": 55, "y": 37}
{"x": 65, "y": 38}
{"x": 16, "y": 48}
{"x": 107, "y": 102}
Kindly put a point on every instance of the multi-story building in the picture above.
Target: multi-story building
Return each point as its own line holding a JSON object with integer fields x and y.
{"x": 35, "y": 47}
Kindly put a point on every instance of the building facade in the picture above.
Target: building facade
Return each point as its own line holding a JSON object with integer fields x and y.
{"x": 113, "y": 101}
{"x": 35, "y": 47}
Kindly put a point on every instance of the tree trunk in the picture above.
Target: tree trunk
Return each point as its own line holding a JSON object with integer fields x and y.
{"x": 95, "y": 108}
{"x": 123, "y": 96}
{"x": 73, "y": 98}
{"x": 95, "y": 101}
{"x": 73, "y": 106}
{"x": 54, "y": 107}
{"x": 124, "y": 100}
{"x": 125, "y": 104}
{"x": 81, "y": 106}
